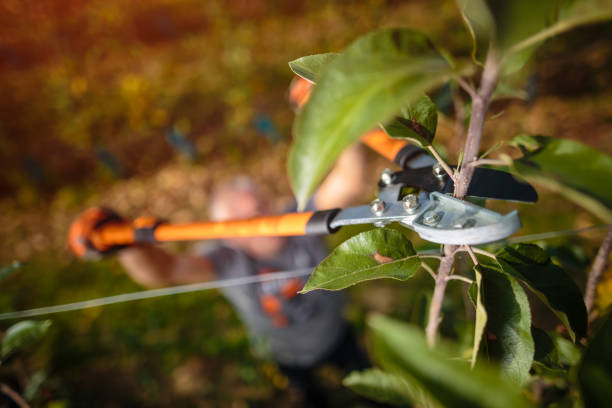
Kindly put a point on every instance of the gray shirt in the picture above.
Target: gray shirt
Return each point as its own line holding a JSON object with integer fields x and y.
{"x": 294, "y": 329}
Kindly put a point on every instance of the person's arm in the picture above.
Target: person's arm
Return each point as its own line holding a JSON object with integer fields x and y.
{"x": 344, "y": 185}
{"x": 152, "y": 266}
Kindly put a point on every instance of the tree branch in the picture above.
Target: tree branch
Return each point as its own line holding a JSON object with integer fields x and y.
{"x": 599, "y": 265}
{"x": 480, "y": 105}
{"x": 444, "y": 271}
{"x": 12, "y": 394}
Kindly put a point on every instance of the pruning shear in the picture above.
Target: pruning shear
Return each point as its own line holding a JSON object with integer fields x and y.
{"x": 417, "y": 196}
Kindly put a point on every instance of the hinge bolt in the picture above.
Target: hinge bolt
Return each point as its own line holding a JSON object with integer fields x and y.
{"x": 432, "y": 218}
{"x": 377, "y": 207}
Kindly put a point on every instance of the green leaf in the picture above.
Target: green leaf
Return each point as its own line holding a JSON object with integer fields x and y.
{"x": 577, "y": 171}
{"x": 366, "y": 85}
{"x": 480, "y": 24}
{"x": 310, "y": 66}
{"x": 481, "y": 312}
{"x": 516, "y": 28}
{"x": 21, "y": 334}
{"x": 374, "y": 254}
{"x": 595, "y": 369}
{"x": 417, "y": 122}
{"x": 386, "y": 387}
{"x": 532, "y": 265}
{"x": 509, "y": 323}
{"x": 401, "y": 349}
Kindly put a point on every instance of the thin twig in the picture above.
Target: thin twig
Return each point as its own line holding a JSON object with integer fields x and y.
{"x": 490, "y": 162}
{"x": 440, "y": 160}
{"x": 429, "y": 270}
{"x": 14, "y": 395}
{"x": 599, "y": 265}
{"x": 427, "y": 256}
{"x": 460, "y": 278}
{"x": 472, "y": 255}
{"x": 466, "y": 86}
{"x": 482, "y": 252}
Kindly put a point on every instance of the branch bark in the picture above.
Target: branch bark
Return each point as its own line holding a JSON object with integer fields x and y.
{"x": 14, "y": 395}
{"x": 599, "y": 265}
{"x": 480, "y": 105}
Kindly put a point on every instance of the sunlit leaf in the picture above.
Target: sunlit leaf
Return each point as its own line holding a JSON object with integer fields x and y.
{"x": 374, "y": 254}
{"x": 595, "y": 369}
{"x": 366, "y": 85}
{"x": 480, "y": 24}
{"x": 515, "y": 28}
{"x": 509, "y": 323}
{"x": 386, "y": 387}
{"x": 310, "y": 66}
{"x": 21, "y": 334}
{"x": 417, "y": 122}
{"x": 572, "y": 169}
{"x": 532, "y": 265}
{"x": 402, "y": 349}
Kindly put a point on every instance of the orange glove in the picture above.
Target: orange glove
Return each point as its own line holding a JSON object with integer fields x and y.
{"x": 82, "y": 238}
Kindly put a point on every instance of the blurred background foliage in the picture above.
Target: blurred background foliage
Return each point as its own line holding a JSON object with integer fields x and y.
{"x": 144, "y": 106}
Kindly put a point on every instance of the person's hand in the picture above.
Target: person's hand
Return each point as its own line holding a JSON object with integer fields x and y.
{"x": 82, "y": 238}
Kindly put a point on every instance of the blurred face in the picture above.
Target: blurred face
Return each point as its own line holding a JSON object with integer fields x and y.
{"x": 239, "y": 204}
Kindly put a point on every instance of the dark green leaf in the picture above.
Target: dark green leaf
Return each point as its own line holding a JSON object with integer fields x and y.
{"x": 401, "y": 349}
{"x": 532, "y": 265}
{"x": 477, "y": 295}
{"x": 595, "y": 369}
{"x": 577, "y": 171}
{"x": 387, "y": 387}
{"x": 366, "y": 85}
{"x": 310, "y": 66}
{"x": 21, "y": 334}
{"x": 374, "y": 254}
{"x": 509, "y": 323}
{"x": 417, "y": 122}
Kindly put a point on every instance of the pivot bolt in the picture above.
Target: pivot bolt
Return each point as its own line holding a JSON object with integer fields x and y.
{"x": 410, "y": 202}
{"x": 432, "y": 218}
{"x": 386, "y": 176}
{"x": 438, "y": 171}
{"x": 377, "y": 207}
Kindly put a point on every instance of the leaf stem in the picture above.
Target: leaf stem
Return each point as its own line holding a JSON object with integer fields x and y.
{"x": 429, "y": 270}
{"x": 490, "y": 162}
{"x": 599, "y": 265}
{"x": 469, "y": 250}
{"x": 460, "y": 278}
{"x": 440, "y": 160}
{"x": 466, "y": 86}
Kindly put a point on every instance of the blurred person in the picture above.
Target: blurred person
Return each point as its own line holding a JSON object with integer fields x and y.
{"x": 300, "y": 332}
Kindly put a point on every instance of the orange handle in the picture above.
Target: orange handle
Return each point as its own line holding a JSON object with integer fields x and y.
{"x": 276, "y": 225}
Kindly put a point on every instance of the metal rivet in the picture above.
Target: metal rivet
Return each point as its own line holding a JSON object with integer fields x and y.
{"x": 410, "y": 203}
{"x": 432, "y": 217}
{"x": 386, "y": 176}
{"x": 377, "y": 207}
{"x": 438, "y": 171}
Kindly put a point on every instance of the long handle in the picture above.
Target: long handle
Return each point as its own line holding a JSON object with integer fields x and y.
{"x": 398, "y": 151}
{"x": 148, "y": 230}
